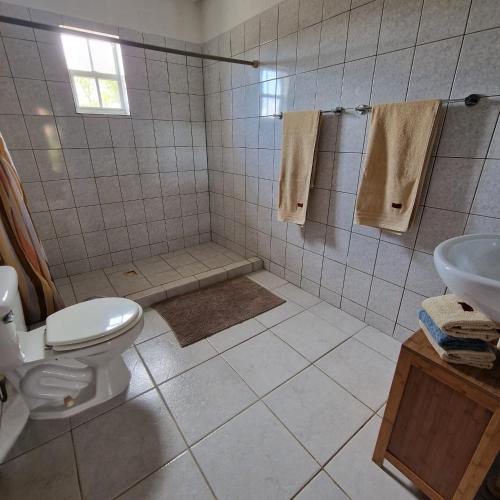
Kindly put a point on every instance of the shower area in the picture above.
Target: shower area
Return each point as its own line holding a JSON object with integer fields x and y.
{"x": 116, "y": 178}
{"x": 183, "y": 190}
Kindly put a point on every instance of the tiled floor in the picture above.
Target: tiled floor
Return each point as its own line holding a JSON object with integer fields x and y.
{"x": 286, "y": 405}
{"x": 148, "y": 276}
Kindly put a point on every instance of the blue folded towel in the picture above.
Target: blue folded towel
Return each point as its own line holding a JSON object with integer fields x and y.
{"x": 448, "y": 342}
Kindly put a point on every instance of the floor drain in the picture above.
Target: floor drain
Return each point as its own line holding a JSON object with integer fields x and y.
{"x": 130, "y": 273}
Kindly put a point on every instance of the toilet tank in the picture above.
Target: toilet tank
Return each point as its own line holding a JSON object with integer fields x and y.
{"x": 9, "y": 296}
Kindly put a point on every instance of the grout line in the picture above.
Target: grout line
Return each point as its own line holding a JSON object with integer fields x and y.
{"x": 414, "y": 51}
{"x": 480, "y": 175}
{"x": 188, "y": 448}
{"x": 77, "y": 469}
{"x": 359, "y": 174}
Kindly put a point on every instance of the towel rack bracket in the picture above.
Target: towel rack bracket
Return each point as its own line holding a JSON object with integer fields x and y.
{"x": 472, "y": 99}
{"x": 362, "y": 109}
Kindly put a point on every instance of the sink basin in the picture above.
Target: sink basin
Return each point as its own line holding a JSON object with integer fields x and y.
{"x": 470, "y": 267}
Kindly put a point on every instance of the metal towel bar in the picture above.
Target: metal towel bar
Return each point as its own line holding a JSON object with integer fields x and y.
{"x": 470, "y": 100}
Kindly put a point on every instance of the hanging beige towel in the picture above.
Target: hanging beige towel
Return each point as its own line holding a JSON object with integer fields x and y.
{"x": 298, "y": 161}
{"x": 399, "y": 148}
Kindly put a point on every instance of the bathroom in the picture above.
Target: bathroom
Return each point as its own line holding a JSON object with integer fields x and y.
{"x": 178, "y": 189}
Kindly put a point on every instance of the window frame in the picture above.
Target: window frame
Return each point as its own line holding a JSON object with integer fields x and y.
{"x": 119, "y": 77}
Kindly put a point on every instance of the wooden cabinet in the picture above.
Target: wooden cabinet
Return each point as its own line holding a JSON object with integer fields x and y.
{"x": 441, "y": 426}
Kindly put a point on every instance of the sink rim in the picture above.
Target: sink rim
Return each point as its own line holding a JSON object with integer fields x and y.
{"x": 440, "y": 254}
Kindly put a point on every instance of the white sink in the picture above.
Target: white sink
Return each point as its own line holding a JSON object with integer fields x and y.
{"x": 470, "y": 267}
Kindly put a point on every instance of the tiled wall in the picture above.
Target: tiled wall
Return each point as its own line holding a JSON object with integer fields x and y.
{"x": 105, "y": 190}
{"x": 321, "y": 54}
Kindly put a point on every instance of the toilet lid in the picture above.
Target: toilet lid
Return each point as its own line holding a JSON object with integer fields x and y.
{"x": 91, "y": 320}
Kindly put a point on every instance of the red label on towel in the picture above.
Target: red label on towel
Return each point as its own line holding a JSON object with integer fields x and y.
{"x": 300, "y": 205}
{"x": 396, "y": 205}
{"x": 466, "y": 307}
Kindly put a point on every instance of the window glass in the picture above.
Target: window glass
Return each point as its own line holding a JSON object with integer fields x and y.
{"x": 76, "y": 52}
{"x": 86, "y": 91}
{"x": 97, "y": 76}
{"x": 103, "y": 58}
{"x": 110, "y": 93}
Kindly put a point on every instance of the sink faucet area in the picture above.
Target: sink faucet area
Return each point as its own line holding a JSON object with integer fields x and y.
{"x": 470, "y": 267}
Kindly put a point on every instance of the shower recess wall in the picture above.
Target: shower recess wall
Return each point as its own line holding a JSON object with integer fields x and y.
{"x": 104, "y": 190}
{"x": 325, "y": 53}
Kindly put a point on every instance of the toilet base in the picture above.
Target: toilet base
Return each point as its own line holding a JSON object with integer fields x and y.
{"x": 109, "y": 381}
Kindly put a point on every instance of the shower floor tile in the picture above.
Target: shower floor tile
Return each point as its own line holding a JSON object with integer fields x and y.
{"x": 135, "y": 279}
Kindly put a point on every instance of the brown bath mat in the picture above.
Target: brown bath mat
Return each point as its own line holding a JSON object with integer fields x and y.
{"x": 200, "y": 314}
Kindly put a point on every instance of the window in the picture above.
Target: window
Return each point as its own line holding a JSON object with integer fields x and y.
{"x": 270, "y": 93}
{"x": 96, "y": 72}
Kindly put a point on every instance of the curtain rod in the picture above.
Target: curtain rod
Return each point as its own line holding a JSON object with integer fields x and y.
{"x": 121, "y": 41}
{"x": 470, "y": 100}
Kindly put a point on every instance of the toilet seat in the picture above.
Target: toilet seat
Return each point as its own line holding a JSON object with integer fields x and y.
{"x": 91, "y": 322}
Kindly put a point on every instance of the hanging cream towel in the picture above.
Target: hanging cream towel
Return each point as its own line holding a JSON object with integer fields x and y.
{"x": 298, "y": 161}
{"x": 399, "y": 148}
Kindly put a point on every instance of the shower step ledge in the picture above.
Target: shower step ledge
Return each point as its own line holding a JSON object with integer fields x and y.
{"x": 151, "y": 296}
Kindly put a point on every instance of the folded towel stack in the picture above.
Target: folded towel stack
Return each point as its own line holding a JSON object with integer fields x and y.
{"x": 457, "y": 318}
{"x": 459, "y": 333}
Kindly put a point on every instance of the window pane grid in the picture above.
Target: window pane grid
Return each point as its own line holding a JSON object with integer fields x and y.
{"x": 99, "y": 82}
{"x": 97, "y": 78}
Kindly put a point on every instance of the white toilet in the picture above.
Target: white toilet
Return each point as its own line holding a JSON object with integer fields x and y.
{"x": 72, "y": 363}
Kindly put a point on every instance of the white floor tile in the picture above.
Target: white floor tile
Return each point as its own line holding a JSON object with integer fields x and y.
{"x": 279, "y": 314}
{"x": 322, "y": 488}
{"x": 267, "y": 279}
{"x": 180, "y": 260}
{"x": 165, "y": 358}
{"x": 192, "y": 269}
{"x": 47, "y": 472}
{"x": 235, "y": 335}
{"x": 205, "y": 397}
{"x": 217, "y": 261}
{"x": 36, "y": 433}
{"x": 297, "y": 295}
{"x": 353, "y": 469}
{"x": 85, "y": 291}
{"x": 163, "y": 278}
{"x": 124, "y": 445}
{"x": 381, "y": 411}
{"x": 125, "y": 285}
{"x": 379, "y": 342}
{"x": 264, "y": 362}
{"x": 180, "y": 480}
{"x": 309, "y": 334}
{"x": 154, "y": 325}
{"x": 362, "y": 371}
{"x": 320, "y": 414}
{"x": 338, "y": 318}
{"x": 254, "y": 457}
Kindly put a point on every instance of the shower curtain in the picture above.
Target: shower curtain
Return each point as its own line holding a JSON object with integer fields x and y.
{"x": 20, "y": 246}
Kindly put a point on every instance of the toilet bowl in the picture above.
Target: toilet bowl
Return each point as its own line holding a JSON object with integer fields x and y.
{"x": 74, "y": 361}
